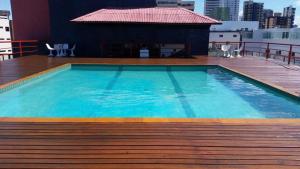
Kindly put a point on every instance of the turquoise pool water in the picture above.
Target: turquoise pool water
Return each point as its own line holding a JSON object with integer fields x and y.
{"x": 146, "y": 92}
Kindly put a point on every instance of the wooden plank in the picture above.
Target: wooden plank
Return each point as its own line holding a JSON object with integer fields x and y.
{"x": 137, "y": 166}
{"x": 196, "y": 151}
{"x": 160, "y": 148}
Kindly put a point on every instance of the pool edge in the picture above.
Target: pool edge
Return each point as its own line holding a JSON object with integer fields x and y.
{"x": 263, "y": 82}
{"x": 21, "y": 81}
{"x": 153, "y": 120}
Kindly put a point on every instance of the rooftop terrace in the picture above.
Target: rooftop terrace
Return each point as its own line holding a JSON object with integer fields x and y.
{"x": 151, "y": 143}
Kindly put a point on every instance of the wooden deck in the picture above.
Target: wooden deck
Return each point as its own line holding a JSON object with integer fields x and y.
{"x": 148, "y": 145}
{"x": 155, "y": 144}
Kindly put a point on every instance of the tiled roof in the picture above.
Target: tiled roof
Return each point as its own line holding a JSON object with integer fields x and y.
{"x": 156, "y": 15}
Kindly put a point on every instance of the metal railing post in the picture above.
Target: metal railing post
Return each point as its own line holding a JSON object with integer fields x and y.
{"x": 244, "y": 49}
{"x": 290, "y": 54}
{"x": 268, "y": 51}
{"x": 20, "y": 48}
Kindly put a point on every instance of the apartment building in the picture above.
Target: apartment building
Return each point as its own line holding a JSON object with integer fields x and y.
{"x": 254, "y": 11}
{"x": 278, "y": 22}
{"x": 220, "y": 9}
{"x": 5, "y": 35}
{"x": 290, "y": 12}
{"x": 276, "y": 37}
{"x": 232, "y": 31}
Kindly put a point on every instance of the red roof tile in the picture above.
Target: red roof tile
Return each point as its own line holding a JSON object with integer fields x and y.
{"x": 156, "y": 15}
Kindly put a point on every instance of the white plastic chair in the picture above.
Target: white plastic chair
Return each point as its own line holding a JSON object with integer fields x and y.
{"x": 238, "y": 51}
{"x": 50, "y": 49}
{"x": 144, "y": 53}
{"x": 225, "y": 49}
{"x": 65, "y": 47}
{"x": 58, "y": 48}
{"x": 72, "y": 50}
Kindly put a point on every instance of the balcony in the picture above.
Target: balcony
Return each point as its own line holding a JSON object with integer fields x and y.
{"x": 281, "y": 53}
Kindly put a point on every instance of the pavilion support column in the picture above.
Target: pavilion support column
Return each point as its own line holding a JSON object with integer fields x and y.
{"x": 131, "y": 49}
{"x": 188, "y": 49}
{"x": 101, "y": 49}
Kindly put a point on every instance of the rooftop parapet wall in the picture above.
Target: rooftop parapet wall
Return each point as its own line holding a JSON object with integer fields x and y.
{"x": 31, "y": 19}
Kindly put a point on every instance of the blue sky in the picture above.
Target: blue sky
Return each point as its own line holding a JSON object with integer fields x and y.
{"x": 276, "y": 5}
{"x": 4, "y": 4}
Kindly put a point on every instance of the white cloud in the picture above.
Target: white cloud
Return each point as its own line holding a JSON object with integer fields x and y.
{"x": 297, "y": 20}
{"x": 241, "y": 13}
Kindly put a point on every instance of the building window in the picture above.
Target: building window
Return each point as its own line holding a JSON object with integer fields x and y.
{"x": 2, "y": 39}
{"x": 7, "y": 38}
{"x": 7, "y": 29}
{"x": 247, "y": 35}
{"x": 267, "y": 35}
{"x": 285, "y": 35}
{"x": 220, "y": 36}
{"x": 1, "y": 27}
{"x": 234, "y": 36}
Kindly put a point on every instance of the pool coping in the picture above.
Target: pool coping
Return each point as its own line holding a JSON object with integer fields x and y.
{"x": 21, "y": 81}
{"x": 276, "y": 87}
{"x": 152, "y": 120}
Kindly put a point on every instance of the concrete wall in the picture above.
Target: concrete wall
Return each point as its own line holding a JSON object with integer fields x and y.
{"x": 236, "y": 26}
{"x": 275, "y": 36}
{"x": 62, "y": 11}
{"x": 89, "y": 37}
{"x": 31, "y": 19}
{"x": 227, "y": 36}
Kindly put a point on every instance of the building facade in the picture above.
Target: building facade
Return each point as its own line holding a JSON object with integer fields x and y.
{"x": 253, "y": 11}
{"x": 221, "y": 37}
{"x": 104, "y": 39}
{"x": 219, "y": 9}
{"x": 277, "y": 14}
{"x": 266, "y": 14}
{"x": 210, "y": 6}
{"x": 5, "y": 35}
{"x": 167, "y": 3}
{"x": 232, "y": 31}
{"x": 275, "y": 36}
{"x": 234, "y": 6}
{"x": 236, "y": 26}
{"x": 278, "y": 22}
{"x": 290, "y": 13}
{"x": 221, "y": 13}
{"x": 190, "y": 5}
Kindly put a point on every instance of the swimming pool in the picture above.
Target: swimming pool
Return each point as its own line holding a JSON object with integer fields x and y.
{"x": 94, "y": 91}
